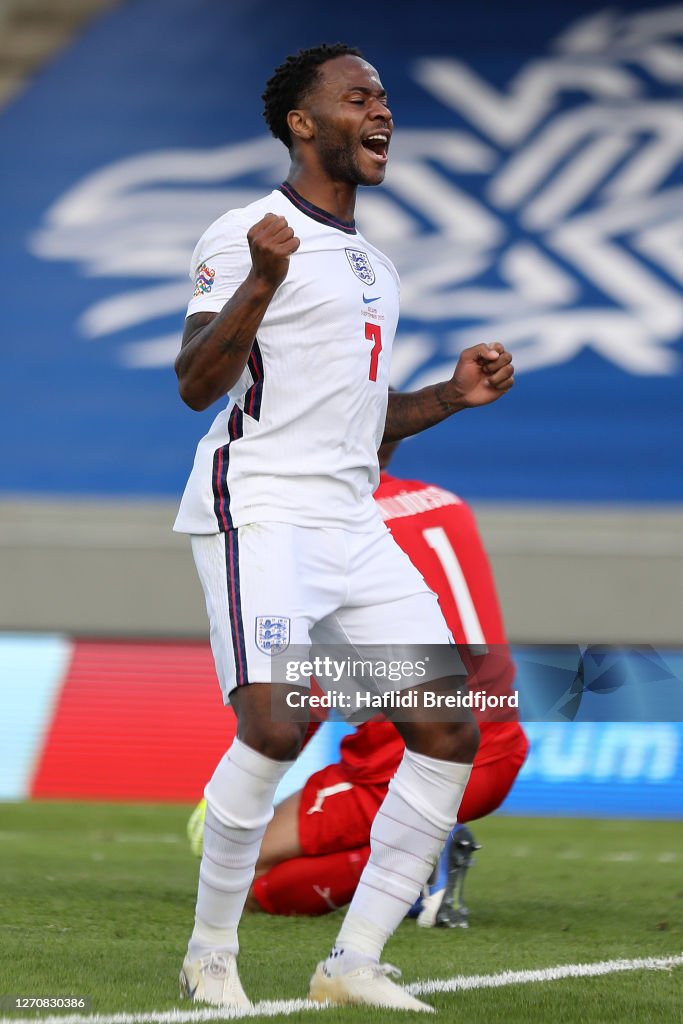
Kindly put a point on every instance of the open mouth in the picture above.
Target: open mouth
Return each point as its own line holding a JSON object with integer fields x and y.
{"x": 378, "y": 145}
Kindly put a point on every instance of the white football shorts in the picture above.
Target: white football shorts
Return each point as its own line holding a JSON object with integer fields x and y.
{"x": 269, "y": 586}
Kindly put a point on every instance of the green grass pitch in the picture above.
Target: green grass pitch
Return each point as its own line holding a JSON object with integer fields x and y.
{"x": 97, "y": 900}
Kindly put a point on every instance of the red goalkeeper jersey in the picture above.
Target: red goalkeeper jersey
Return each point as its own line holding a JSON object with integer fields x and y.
{"x": 438, "y": 532}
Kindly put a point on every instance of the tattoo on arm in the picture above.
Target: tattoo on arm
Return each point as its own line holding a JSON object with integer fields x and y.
{"x": 216, "y": 346}
{"x": 414, "y": 411}
{"x": 447, "y": 407}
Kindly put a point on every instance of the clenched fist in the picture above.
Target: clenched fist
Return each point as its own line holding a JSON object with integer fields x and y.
{"x": 483, "y": 374}
{"x": 271, "y": 243}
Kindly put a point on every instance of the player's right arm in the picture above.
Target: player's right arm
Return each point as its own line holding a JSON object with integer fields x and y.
{"x": 216, "y": 346}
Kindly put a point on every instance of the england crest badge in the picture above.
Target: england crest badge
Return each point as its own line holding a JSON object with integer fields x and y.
{"x": 360, "y": 264}
{"x": 272, "y": 633}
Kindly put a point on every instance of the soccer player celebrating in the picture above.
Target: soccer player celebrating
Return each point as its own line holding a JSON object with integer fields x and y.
{"x": 318, "y": 842}
{"x": 293, "y": 316}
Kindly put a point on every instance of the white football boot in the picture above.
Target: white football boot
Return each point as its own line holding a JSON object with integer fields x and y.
{"x": 213, "y": 979}
{"x": 366, "y": 985}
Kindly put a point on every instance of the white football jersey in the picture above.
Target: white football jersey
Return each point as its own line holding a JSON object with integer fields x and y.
{"x": 298, "y": 440}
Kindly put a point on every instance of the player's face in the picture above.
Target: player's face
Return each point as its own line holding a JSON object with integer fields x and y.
{"x": 352, "y": 120}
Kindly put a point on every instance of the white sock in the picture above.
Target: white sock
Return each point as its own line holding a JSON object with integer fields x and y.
{"x": 239, "y": 798}
{"x": 407, "y": 836}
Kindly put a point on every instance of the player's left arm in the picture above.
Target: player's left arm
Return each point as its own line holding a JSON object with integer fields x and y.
{"x": 484, "y": 374}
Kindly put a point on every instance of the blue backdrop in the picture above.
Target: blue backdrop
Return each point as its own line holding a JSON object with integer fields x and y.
{"x": 582, "y": 770}
{"x": 604, "y": 770}
{"x": 535, "y": 196}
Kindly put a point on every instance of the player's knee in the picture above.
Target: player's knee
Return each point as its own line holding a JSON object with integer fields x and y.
{"x": 279, "y": 741}
{"x": 451, "y": 741}
{"x": 463, "y": 742}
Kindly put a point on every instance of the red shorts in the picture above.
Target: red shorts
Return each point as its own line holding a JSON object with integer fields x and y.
{"x": 336, "y": 814}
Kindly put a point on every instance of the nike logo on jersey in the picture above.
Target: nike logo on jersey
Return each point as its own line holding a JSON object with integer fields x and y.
{"x": 373, "y": 298}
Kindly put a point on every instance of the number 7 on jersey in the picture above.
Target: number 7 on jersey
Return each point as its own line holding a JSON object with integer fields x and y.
{"x": 373, "y": 333}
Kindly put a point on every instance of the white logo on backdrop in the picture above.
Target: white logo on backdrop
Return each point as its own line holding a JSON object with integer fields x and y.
{"x": 549, "y": 227}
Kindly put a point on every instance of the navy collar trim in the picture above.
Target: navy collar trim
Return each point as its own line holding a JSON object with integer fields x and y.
{"x": 322, "y": 216}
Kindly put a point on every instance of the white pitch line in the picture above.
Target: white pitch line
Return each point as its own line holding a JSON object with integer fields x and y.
{"x": 650, "y": 963}
{"x": 267, "y": 1008}
{"x": 271, "y": 1008}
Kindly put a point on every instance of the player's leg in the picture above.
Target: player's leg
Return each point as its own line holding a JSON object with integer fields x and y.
{"x": 443, "y": 904}
{"x": 272, "y": 853}
{"x": 281, "y": 840}
{"x": 310, "y": 886}
{"x": 410, "y": 829}
{"x": 239, "y": 797}
{"x": 328, "y": 822}
{"x": 422, "y": 801}
{"x": 244, "y": 573}
{"x": 316, "y": 846}
{"x": 406, "y": 838}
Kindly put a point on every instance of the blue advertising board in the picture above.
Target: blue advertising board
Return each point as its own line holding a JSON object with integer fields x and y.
{"x": 574, "y": 769}
{"x": 601, "y": 770}
{"x": 580, "y": 764}
{"x": 534, "y": 196}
